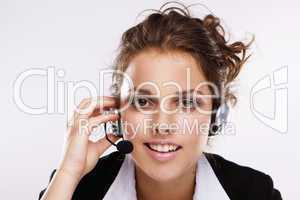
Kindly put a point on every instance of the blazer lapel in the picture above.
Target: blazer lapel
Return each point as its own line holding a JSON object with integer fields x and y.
{"x": 123, "y": 186}
{"x": 207, "y": 186}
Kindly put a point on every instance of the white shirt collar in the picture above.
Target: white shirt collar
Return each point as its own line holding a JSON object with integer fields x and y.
{"x": 207, "y": 186}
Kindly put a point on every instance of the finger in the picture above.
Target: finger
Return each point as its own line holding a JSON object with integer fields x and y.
{"x": 102, "y": 145}
{"x": 94, "y": 122}
{"x": 86, "y": 126}
{"x": 105, "y": 102}
{"x": 88, "y": 105}
{"x": 95, "y": 150}
{"x": 79, "y": 144}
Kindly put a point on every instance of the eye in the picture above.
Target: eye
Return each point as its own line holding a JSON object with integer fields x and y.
{"x": 141, "y": 102}
{"x": 187, "y": 103}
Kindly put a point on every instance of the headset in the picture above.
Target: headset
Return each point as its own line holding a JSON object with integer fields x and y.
{"x": 123, "y": 146}
{"x": 219, "y": 120}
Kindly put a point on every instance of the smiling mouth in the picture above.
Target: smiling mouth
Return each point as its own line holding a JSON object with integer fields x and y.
{"x": 163, "y": 148}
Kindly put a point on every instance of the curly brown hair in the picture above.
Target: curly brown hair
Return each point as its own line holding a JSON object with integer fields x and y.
{"x": 174, "y": 28}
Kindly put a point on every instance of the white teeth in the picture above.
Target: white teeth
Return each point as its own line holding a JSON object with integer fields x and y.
{"x": 163, "y": 147}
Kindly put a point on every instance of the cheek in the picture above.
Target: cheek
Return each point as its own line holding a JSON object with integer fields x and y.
{"x": 194, "y": 129}
{"x": 194, "y": 124}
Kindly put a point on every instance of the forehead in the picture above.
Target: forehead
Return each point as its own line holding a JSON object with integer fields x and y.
{"x": 168, "y": 71}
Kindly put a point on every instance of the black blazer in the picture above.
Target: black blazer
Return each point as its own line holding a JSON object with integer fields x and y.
{"x": 239, "y": 182}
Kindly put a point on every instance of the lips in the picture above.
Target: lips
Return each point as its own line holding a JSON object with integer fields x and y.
{"x": 163, "y": 147}
{"x": 162, "y": 151}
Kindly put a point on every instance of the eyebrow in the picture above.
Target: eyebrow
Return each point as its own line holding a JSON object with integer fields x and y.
{"x": 177, "y": 93}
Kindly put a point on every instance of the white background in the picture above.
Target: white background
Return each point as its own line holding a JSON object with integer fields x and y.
{"x": 81, "y": 37}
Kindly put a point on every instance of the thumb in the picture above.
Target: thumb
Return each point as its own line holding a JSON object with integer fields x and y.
{"x": 103, "y": 144}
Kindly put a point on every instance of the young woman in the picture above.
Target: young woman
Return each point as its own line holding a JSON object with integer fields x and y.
{"x": 180, "y": 68}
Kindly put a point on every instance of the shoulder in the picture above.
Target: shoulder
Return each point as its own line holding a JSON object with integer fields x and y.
{"x": 242, "y": 182}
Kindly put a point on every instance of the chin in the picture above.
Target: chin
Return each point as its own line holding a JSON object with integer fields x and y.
{"x": 165, "y": 174}
{"x": 160, "y": 171}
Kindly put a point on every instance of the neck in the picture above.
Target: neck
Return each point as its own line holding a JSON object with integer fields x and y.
{"x": 179, "y": 188}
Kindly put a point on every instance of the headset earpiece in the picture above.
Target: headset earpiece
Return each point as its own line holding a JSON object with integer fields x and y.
{"x": 219, "y": 119}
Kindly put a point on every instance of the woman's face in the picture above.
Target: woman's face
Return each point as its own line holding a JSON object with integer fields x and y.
{"x": 167, "y": 129}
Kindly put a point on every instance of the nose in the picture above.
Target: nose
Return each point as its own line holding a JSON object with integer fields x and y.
{"x": 161, "y": 123}
{"x": 158, "y": 130}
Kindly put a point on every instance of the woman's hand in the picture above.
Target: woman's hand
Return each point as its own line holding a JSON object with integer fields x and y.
{"x": 81, "y": 155}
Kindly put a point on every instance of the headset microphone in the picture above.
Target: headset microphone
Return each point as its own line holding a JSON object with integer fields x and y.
{"x": 124, "y": 146}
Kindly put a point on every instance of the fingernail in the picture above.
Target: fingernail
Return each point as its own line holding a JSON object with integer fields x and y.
{"x": 111, "y": 111}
